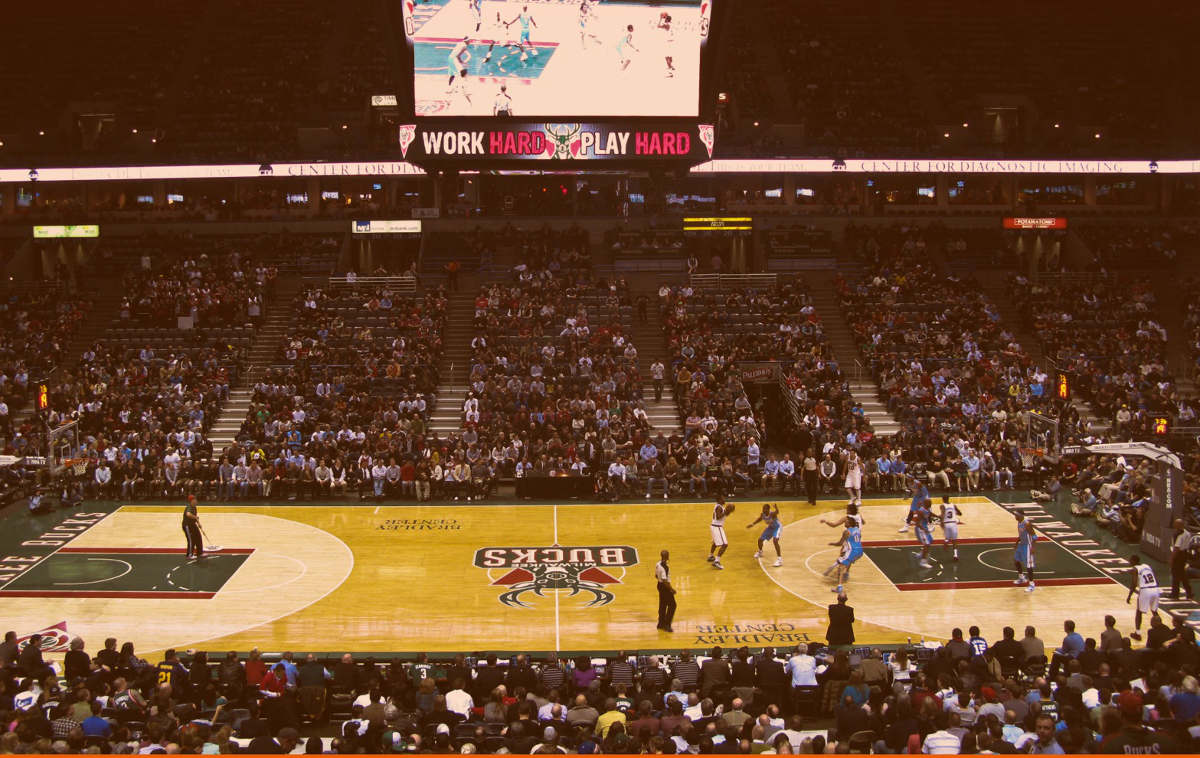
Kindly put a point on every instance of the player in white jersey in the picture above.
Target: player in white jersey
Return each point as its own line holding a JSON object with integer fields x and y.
{"x": 852, "y": 513}
{"x": 717, "y": 528}
{"x": 587, "y": 14}
{"x": 853, "y": 483}
{"x": 477, "y": 12}
{"x": 1148, "y": 592}
{"x": 950, "y": 518}
{"x": 664, "y": 23}
{"x": 460, "y": 56}
{"x": 625, "y": 45}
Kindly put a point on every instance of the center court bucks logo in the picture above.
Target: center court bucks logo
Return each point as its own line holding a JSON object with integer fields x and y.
{"x": 529, "y": 571}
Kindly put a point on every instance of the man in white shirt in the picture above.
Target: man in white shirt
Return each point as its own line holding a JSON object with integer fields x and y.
{"x": 459, "y": 700}
{"x": 103, "y": 478}
{"x": 752, "y": 459}
{"x": 657, "y": 372}
{"x": 802, "y": 667}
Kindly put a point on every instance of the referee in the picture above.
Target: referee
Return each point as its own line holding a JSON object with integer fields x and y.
{"x": 502, "y": 107}
{"x": 666, "y": 593}
{"x": 191, "y": 529}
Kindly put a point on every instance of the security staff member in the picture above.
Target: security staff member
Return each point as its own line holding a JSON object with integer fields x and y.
{"x": 666, "y": 593}
{"x": 1180, "y": 548}
{"x": 191, "y": 529}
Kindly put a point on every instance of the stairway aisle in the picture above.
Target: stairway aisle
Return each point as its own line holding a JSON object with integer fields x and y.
{"x": 863, "y": 388}
{"x": 456, "y": 360}
{"x": 264, "y": 351}
{"x": 650, "y": 341}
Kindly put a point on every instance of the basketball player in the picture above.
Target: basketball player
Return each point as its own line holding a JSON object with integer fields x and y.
{"x": 191, "y": 530}
{"x": 626, "y": 42}
{"x": 920, "y": 493}
{"x": 1148, "y": 593}
{"x": 496, "y": 30}
{"x": 503, "y": 105}
{"x": 477, "y": 12}
{"x": 852, "y": 513}
{"x": 853, "y": 481}
{"x": 924, "y": 532}
{"x": 719, "y": 541}
{"x": 772, "y": 526}
{"x": 950, "y": 519}
{"x": 460, "y": 87}
{"x": 664, "y": 23}
{"x": 851, "y": 544}
{"x": 460, "y": 55}
{"x": 1023, "y": 553}
{"x": 525, "y": 18}
{"x": 586, "y": 15}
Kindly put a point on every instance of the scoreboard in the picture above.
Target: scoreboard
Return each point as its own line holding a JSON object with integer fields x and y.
{"x": 718, "y": 226}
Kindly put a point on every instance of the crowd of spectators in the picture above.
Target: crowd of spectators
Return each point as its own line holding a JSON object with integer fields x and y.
{"x": 346, "y": 405}
{"x": 952, "y": 373}
{"x": 968, "y": 695}
{"x": 35, "y": 326}
{"x": 1108, "y": 335}
{"x": 1112, "y": 490}
{"x": 1191, "y": 325}
{"x": 1131, "y": 246}
{"x": 555, "y": 387}
{"x": 145, "y": 393}
{"x": 711, "y": 333}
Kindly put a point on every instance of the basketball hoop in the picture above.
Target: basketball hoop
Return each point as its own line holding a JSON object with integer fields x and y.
{"x": 78, "y": 466}
{"x": 1031, "y": 454}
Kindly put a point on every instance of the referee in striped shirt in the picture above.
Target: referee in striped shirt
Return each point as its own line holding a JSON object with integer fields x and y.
{"x": 620, "y": 671}
{"x": 687, "y": 671}
{"x": 552, "y": 674}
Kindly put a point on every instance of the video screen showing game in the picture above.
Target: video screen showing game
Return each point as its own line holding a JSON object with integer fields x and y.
{"x": 538, "y": 58}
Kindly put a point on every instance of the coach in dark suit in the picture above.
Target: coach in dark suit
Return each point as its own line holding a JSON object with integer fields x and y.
{"x": 715, "y": 676}
{"x": 841, "y": 623}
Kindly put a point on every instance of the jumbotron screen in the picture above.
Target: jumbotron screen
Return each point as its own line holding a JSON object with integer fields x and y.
{"x": 541, "y": 58}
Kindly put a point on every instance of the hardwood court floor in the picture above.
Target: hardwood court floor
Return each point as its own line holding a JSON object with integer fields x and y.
{"x": 528, "y": 577}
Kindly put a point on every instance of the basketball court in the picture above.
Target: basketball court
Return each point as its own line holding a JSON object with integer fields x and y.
{"x": 434, "y": 578}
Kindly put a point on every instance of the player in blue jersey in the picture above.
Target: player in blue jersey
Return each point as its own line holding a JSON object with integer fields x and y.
{"x": 1023, "y": 553}
{"x": 525, "y": 19}
{"x": 851, "y": 544}
{"x": 772, "y": 527}
{"x": 924, "y": 532}
{"x": 626, "y": 41}
{"x": 920, "y": 493}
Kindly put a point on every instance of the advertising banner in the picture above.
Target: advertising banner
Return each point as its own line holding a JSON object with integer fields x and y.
{"x": 508, "y": 141}
{"x": 399, "y": 226}
{"x": 1026, "y": 222}
{"x": 85, "y": 231}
